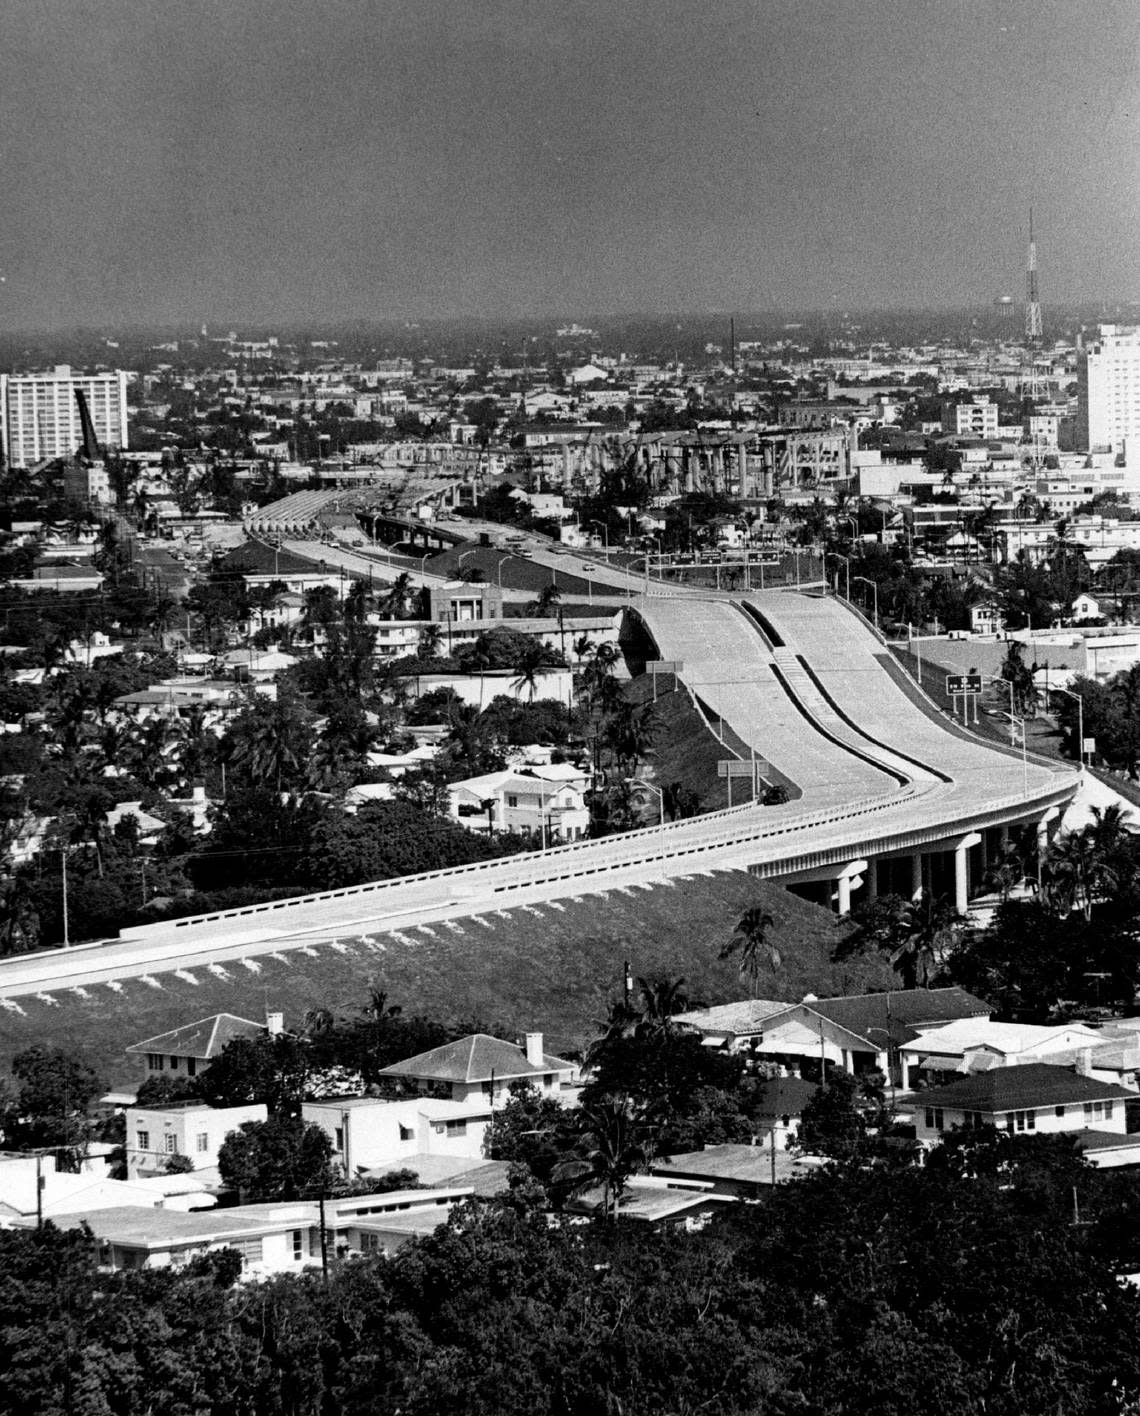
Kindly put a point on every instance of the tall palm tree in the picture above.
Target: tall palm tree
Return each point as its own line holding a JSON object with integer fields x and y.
{"x": 396, "y": 601}
{"x": 924, "y": 932}
{"x": 750, "y": 940}
{"x": 614, "y": 1144}
{"x": 528, "y": 669}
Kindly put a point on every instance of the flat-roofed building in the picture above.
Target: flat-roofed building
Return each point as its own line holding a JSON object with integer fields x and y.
{"x": 39, "y": 415}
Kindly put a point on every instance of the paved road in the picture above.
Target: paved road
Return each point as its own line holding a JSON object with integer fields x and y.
{"x": 878, "y": 774}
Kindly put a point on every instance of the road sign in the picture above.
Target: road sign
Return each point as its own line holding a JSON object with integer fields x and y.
{"x": 1088, "y": 744}
{"x": 963, "y": 683}
{"x": 664, "y": 666}
{"x": 737, "y": 767}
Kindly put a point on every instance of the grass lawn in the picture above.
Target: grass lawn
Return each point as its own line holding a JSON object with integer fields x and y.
{"x": 551, "y": 967}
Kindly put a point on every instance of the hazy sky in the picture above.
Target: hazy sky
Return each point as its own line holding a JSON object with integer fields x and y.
{"x": 253, "y": 160}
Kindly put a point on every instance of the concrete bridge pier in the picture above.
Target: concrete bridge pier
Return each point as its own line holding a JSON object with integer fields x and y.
{"x": 962, "y": 869}
{"x": 849, "y": 879}
{"x": 1043, "y": 823}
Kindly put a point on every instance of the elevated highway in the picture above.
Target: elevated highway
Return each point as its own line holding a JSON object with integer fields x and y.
{"x": 893, "y": 795}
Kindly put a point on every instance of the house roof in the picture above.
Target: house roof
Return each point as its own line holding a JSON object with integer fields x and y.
{"x": 204, "y": 1039}
{"x": 902, "y": 1012}
{"x": 746, "y": 1016}
{"x": 1017, "y": 1088}
{"x": 134, "y": 1226}
{"x": 475, "y": 1058}
{"x": 953, "y": 1039}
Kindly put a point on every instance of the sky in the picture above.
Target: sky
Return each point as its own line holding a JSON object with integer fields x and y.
{"x": 321, "y": 160}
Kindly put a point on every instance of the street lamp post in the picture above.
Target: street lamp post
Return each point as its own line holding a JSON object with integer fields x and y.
{"x": 1080, "y": 722}
{"x": 835, "y": 555}
{"x": 875, "y": 591}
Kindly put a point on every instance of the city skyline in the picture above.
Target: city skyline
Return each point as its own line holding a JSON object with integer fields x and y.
{"x": 286, "y": 163}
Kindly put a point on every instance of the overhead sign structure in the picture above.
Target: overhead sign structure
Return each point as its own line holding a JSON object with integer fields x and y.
{"x": 653, "y": 667}
{"x": 963, "y": 683}
{"x": 741, "y": 767}
{"x": 751, "y": 768}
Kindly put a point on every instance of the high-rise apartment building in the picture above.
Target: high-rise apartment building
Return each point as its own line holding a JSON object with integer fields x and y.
{"x": 39, "y": 417}
{"x": 1108, "y": 390}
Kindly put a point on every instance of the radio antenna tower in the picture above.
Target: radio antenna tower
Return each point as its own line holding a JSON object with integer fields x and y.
{"x": 1032, "y": 302}
{"x": 1030, "y": 382}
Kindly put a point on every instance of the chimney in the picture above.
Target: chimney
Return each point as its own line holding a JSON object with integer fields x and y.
{"x": 274, "y": 1023}
{"x": 534, "y": 1049}
{"x": 1084, "y": 1062}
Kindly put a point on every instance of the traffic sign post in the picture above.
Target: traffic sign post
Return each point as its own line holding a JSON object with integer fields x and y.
{"x": 750, "y": 767}
{"x": 968, "y": 688}
{"x": 663, "y": 666}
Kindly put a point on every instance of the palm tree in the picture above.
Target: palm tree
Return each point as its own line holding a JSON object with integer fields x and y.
{"x": 923, "y": 934}
{"x": 19, "y": 919}
{"x": 528, "y": 668}
{"x": 548, "y": 599}
{"x": 395, "y": 602}
{"x": 751, "y": 942}
{"x": 583, "y": 648}
{"x": 1005, "y": 872}
{"x": 613, "y": 1145}
{"x": 431, "y": 637}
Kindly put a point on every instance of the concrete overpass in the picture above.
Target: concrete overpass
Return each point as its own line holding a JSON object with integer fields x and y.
{"x": 893, "y": 795}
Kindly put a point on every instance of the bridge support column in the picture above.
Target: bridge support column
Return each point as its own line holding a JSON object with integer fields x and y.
{"x": 871, "y": 879}
{"x": 962, "y": 870}
{"x": 916, "y": 876}
{"x": 1043, "y": 825}
{"x": 849, "y": 879}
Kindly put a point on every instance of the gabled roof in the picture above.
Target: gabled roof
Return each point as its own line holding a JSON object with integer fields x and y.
{"x": 902, "y": 1012}
{"x": 476, "y": 1058}
{"x": 1018, "y": 1088}
{"x": 203, "y": 1040}
{"x": 748, "y": 1015}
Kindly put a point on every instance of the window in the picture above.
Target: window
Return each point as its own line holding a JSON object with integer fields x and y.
{"x": 407, "y": 1133}
{"x": 1108, "y": 1105}
{"x": 457, "y": 1128}
{"x": 339, "y": 1138}
{"x": 298, "y": 1245}
{"x": 191, "y": 1066}
{"x": 170, "y": 1145}
{"x": 174, "y": 1064}
{"x": 1058, "y": 1111}
{"x": 512, "y": 799}
{"x": 154, "y": 1061}
{"x": 202, "y": 1141}
{"x": 144, "y": 1140}
{"x": 1022, "y": 1121}
{"x": 934, "y": 1118}
{"x": 252, "y": 1251}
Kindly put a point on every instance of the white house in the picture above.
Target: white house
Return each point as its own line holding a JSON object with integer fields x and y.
{"x": 976, "y": 1044}
{"x": 271, "y": 1238}
{"x": 187, "y": 1128}
{"x": 183, "y": 1051}
{"x": 482, "y": 1067}
{"x": 370, "y": 1133}
{"x": 1034, "y": 1099}
{"x": 548, "y": 799}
